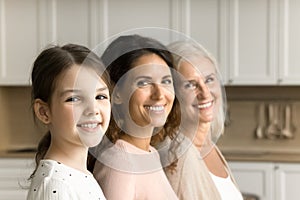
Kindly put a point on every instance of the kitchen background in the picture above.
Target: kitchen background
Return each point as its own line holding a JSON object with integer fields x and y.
{"x": 256, "y": 43}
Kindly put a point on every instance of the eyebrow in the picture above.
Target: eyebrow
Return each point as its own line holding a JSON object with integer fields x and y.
{"x": 76, "y": 90}
{"x": 149, "y": 77}
{"x": 211, "y": 74}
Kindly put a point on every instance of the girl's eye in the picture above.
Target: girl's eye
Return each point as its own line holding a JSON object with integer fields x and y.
{"x": 101, "y": 97}
{"x": 73, "y": 99}
{"x": 143, "y": 83}
{"x": 167, "y": 81}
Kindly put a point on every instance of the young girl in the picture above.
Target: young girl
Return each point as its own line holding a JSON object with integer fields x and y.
{"x": 71, "y": 97}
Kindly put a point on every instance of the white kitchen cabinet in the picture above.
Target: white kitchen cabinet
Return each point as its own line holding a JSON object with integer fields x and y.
{"x": 287, "y": 181}
{"x": 14, "y": 173}
{"x": 18, "y": 40}
{"x": 254, "y": 178}
{"x": 268, "y": 180}
{"x": 289, "y": 42}
{"x": 264, "y": 42}
{"x": 254, "y": 41}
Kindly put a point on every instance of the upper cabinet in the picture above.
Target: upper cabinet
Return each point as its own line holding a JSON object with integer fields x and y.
{"x": 255, "y": 41}
{"x": 263, "y": 42}
{"x": 18, "y": 40}
{"x": 289, "y": 42}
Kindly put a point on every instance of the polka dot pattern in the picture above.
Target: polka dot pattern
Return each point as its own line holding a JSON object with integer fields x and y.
{"x": 56, "y": 179}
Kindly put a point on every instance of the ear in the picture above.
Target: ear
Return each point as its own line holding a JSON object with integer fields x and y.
{"x": 42, "y": 111}
{"x": 116, "y": 98}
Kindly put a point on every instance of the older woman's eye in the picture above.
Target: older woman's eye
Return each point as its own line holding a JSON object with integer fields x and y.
{"x": 143, "y": 83}
{"x": 209, "y": 80}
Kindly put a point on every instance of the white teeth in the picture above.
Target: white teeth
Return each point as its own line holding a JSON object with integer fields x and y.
{"x": 206, "y": 105}
{"x": 93, "y": 125}
{"x": 155, "y": 108}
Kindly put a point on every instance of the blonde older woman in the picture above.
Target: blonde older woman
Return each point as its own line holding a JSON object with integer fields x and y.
{"x": 201, "y": 172}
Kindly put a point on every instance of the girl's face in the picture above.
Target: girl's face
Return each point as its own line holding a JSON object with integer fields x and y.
{"x": 200, "y": 91}
{"x": 148, "y": 86}
{"x": 80, "y": 107}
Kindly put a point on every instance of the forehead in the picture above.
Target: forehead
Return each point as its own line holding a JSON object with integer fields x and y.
{"x": 79, "y": 76}
{"x": 196, "y": 65}
{"x": 150, "y": 64}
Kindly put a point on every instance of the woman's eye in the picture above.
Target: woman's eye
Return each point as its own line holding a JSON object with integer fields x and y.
{"x": 143, "y": 83}
{"x": 167, "y": 81}
{"x": 73, "y": 99}
{"x": 190, "y": 85}
{"x": 101, "y": 97}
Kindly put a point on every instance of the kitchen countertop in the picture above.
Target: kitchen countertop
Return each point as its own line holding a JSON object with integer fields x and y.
{"x": 231, "y": 155}
{"x": 262, "y": 157}
{"x": 7, "y": 154}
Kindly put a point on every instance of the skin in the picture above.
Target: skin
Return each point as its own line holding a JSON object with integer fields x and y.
{"x": 151, "y": 95}
{"x": 201, "y": 99}
{"x": 77, "y": 117}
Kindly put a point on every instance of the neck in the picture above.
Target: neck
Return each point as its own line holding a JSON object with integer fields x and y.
{"x": 200, "y": 135}
{"x": 72, "y": 155}
{"x": 141, "y": 143}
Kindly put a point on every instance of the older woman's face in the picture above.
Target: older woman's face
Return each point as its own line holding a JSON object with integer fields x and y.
{"x": 200, "y": 92}
{"x": 149, "y": 88}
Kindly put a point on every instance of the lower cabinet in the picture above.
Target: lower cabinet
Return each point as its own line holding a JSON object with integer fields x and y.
{"x": 268, "y": 180}
{"x": 14, "y": 174}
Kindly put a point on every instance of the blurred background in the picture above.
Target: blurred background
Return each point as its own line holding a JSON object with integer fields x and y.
{"x": 257, "y": 46}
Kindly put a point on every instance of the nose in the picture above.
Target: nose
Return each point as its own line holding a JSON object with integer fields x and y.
{"x": 157, "y": 91}
{"x": 91, "y": 108}
{"x": 203, "y": 91}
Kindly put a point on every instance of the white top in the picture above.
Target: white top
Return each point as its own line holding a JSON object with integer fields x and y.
{"x": 126, "y": 172}
{"x": 226, "y": 188}
{"x": 56, "y": 181}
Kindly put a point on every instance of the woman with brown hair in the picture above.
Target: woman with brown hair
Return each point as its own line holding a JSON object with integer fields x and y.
{"x": 127, "y": 166}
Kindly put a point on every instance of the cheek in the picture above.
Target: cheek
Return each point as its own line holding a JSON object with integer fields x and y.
{"x": 106, "y": 110}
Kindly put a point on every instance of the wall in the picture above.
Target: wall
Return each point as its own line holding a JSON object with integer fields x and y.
{"x": 17, "y": 127}
{"x": 243, "y": 107}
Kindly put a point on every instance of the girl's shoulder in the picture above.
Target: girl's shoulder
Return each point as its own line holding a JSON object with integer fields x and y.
{"x": 55, "y": 178}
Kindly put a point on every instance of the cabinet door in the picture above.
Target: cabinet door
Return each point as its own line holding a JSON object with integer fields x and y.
{"x": 207, "y": 25}
{"x": 13, "y": 178}
{"x": 254, "y": 178}
{"x": 252, "y": 42}
{"x": 70, "y": 21}
{"x": 18, "y": 40}
{"x": 287, "y": 179}
{"x": 289, "y": 49}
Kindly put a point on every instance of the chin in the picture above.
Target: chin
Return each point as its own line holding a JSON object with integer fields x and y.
{"x": 158, "y": 122}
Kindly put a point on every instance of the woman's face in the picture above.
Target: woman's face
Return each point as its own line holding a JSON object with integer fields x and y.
{"x": 200, "y": 92}
{"x": 149, "y": 89}
{"x": 80, "y": 108}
